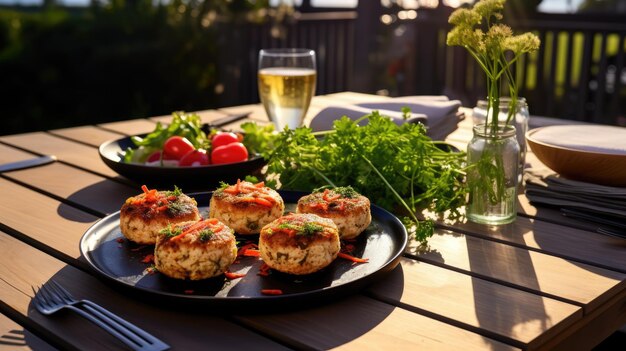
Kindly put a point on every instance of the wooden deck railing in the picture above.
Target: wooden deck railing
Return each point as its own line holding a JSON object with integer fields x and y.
{"x": 579, "y": 73}
{"x": 330, "y": 34}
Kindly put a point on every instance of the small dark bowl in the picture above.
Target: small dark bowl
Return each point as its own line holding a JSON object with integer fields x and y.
{"x": 201, "y": 177}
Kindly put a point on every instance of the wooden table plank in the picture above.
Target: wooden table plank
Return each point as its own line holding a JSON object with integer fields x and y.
{"x": 80, "y": 155}
{"x": 77, "y": 186}
{"x": 24, "y": 267}
{"x": 534, "y": 271}
{"x": 566, "y": 242}
{"x": 361, "y": 324}
{"x": 514, "y": 316}
{"x": 89, "y": 135}
{"x": 14, "y": 337}
{"x": 42, "y": 219}
{"x": 130, "y": 127}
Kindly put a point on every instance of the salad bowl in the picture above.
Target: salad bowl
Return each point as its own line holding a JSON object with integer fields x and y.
{"x": 112, "y": 153}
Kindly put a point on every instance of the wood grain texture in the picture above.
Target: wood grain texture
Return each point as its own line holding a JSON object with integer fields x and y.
{"x": 359, "y": 323}
{"x": 130, "y": 127}
{"x": 77, "y": 186}
{"x": 87, "y": 134}
{"x": 43, "y": 219}
{"x": 593, "y": 329}
{"x": 509, "y": 314}
{"x": 66, "y": 151}
{"x": 537, "y": 272}
{"x": 191, "y": 331}
{"x": 14, "y": 337}
{"x": 554, "y": 239}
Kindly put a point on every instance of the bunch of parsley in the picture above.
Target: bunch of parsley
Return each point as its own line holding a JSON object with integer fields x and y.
{"x": 397, "y": 167}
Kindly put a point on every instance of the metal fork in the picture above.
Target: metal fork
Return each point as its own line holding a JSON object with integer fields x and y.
{"x": 53, "y": 297}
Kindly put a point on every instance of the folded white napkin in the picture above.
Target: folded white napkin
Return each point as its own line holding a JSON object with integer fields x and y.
{"x": 437, "y": 113}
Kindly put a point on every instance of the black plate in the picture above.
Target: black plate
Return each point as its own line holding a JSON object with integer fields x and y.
{"x": 186, "y": 177}
{"x": 120, "y": 260}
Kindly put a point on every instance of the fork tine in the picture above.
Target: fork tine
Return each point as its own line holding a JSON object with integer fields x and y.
{"x": 37, "y": 299}
{"x": 47, "y": 298}
{"x": 118, "y": 324}
{"x": 61, "y": 293}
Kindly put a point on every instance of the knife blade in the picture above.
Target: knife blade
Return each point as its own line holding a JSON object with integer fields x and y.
{"x": 222, "y": 121}
{"x": 31, "y": 162}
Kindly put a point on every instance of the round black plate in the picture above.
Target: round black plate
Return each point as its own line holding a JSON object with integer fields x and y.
{"x": 206, "y": 176}
{"x": 115, "y": 258}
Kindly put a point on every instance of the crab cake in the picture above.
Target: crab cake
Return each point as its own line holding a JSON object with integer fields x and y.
{"x": 143, "y": 216}
{"x": 343, "y": 205}
{"x": 246, "y": 207}
{"x": 195, "y": 250}
{"x": 299, "y": 243}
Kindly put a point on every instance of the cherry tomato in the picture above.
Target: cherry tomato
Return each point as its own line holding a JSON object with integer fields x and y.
{"x": 224, "y": 138}
{"x": 177, "y": 147}
{"x": 233, "y": 152}
{"x": 195, "y": 158}
{"x": 156, "y": 156}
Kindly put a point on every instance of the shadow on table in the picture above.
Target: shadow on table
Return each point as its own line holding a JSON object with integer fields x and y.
{"x": 188, "y": 328}
{"x": 332, "y": 324}
{"x": 98, "y": 199}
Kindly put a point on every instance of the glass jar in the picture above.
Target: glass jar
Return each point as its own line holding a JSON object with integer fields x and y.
{"x": 479, "y": 114}
{"x": 493, "y": 174}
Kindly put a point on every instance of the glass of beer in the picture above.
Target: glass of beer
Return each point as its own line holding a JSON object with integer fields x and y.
{"x": 286, "y": 84}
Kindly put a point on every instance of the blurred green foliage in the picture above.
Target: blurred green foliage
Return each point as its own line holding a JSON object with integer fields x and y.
{"x": 124, "y": 59}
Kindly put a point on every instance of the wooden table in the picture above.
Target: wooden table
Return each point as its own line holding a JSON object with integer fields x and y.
{"x": 543, "y": 282}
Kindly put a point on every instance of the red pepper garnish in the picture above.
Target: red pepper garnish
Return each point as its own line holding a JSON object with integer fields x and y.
{"x": 264, "y": 270}
{"x": 326, "y": 196}
{"x": 231, "y": 275}
{"x": 257, "y": 200}
{"x": 243, "y": 249}
{"x": 149, "y": 258}
{"x": 271, "y": 292}
{"x": 320, "y": 206}
{"x": 211, "y": 223}
{"x": 120, "y": 240}
{"x": 352, "y": 258}
{"x": 252, "y": 253}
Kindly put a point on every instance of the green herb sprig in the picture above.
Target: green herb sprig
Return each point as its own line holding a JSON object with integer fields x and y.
{"x": 396, "y": 167}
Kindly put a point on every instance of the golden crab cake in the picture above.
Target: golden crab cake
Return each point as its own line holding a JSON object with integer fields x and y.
{"x": 195, "y": 250}
{"x": 343, "y": 205}
{"x": 142, "y": 217}
{"x": 299, "y": 243}
{"x": 246, "y": 207}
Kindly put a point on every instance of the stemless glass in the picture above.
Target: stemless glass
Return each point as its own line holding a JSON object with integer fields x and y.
{"x": 286, "y": 84}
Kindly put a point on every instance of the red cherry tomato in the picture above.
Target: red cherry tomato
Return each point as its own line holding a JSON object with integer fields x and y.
{"x": 223, "y": 138}
{"x": 156, "y": 156}
{"x": 233, "y": 152}
{"x": 195, "y": 158}
{"x": 177, "y": 147}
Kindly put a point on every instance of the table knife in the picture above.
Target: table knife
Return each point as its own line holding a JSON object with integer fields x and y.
{"x": 31, "y": 162}
{"x": 222, "y": 121}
